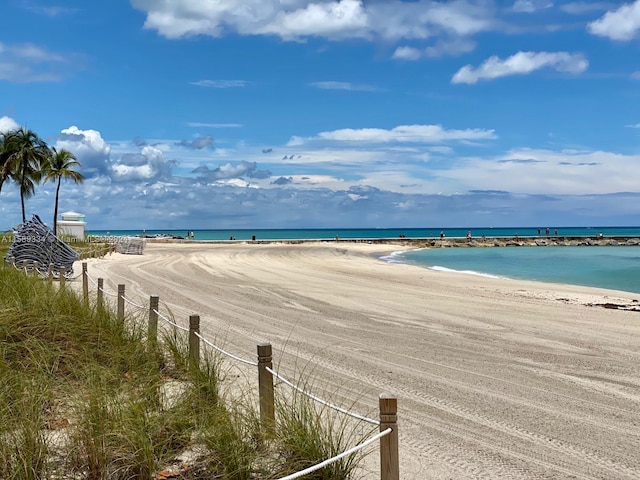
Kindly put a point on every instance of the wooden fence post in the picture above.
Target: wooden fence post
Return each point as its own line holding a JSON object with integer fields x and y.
{"x": 152, "y": 333}
{"x": 389, "y": 461}
{"x": 24, "y": 266}
{"x": 265, "y": 386}
{"x": 100, "y": 302}
{"x": 50, "y": 273}
{"x": 35, "y": 268}
{"x": 62, "y": 274}
{"x": 194, "y": 341}
{"x": 120, "y": 311}
{"x": 85, "y": 284}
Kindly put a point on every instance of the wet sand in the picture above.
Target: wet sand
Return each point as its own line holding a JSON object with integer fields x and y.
{"x": 495, "y": 379}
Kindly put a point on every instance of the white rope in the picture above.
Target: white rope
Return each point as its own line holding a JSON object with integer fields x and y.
{"x": 92, "y": 280}
{"x": 170, "y": 322}
{"x": 110, "y": 294}
{"x": 337, "y": 457}
{"x": 248, "y": 362}
{"x": 133, "y": 303}
{"x": 319, "y": 400}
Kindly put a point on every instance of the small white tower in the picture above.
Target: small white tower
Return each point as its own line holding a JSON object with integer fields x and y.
{"x": 72, "y": 225}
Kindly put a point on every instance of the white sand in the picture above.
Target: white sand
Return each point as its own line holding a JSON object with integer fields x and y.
{"x": 495, "y": 379}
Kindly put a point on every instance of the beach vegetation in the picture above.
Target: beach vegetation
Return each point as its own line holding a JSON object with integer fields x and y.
{"x": 23, "y": 155}
{"x": 60, "y": 166}
{"x": 86, "y": 396}
{"x": 27, "y": 160}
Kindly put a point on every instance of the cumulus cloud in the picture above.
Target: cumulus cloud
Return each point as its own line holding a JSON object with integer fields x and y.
{"x": 621, "y": 24}
{"x": 7, "y": 124}
{"x": 334, "y": 20}
{"x": 230, "y": 171}
{"x": 407, "y": 133}
{"x": 522, "y": 63}
{"x": 92, "y": 151}
{"x": 27, "y": 63}
{"x": 198, "y": 143}
{"x": 407, "y": 53}
{"x": 149, "y": 164}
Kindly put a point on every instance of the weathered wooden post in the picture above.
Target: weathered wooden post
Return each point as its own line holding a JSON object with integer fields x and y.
{"x": 85, "y": 284}
{"x": 35, "y": 268}
{"x": 194, "y": 341}
{"x": 100, "y": 302}
{"x": 389, "y": 460}
{"x": 265, "y": 386}
{"x": 50, "y": 273}
{"x": 63, "y": 276}
{"x": 152, "y": 333}
{"x": 120, "y": 311}
{"x": 24, "y": 266}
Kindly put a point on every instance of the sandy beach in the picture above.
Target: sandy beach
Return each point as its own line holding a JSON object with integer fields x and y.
{"x": 495, "y": 379}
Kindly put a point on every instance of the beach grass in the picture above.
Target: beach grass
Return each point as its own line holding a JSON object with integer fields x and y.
{"x": 85, "y": 396}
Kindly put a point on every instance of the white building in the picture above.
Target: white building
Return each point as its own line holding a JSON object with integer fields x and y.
{"x": 72, "y": 225}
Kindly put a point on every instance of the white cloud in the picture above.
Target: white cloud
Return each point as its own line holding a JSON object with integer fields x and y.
{"x": 335, "y": 20}
{"x": 407, "y": 53}
{"x": 220, "y": 83}
{"x": 26, "y": 63}
{"x": 530, "y": 6}
{"x": 522, "y": 63}
{"x": 7, "y": 124}
{"x": 636, "y": 75}
{"x": 88, "y": 145}
{"x": 333, "y": 85}
{"x": 406, "y": 133}
{"x": 445, "y": 47}
{"x": 546, "y": 172}
{"x": 621, "y": 24}
{"x": 637, "y": 125}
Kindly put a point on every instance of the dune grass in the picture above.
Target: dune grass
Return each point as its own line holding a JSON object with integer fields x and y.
{"x": 84, "y": 396}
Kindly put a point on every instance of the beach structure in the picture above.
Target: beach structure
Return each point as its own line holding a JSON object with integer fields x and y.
{"x": 130, "y": 245}
{"x": 35, "y": 246}
{"x": 72, "y": 225}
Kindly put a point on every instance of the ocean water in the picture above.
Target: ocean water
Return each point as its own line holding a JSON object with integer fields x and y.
{"x": 327, "y": 233}
{"x": 616, "y": 268}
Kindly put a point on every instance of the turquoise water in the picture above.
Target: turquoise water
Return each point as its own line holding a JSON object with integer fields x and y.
{"x": 616, "y": 268}
{"x": 305, "y": 234}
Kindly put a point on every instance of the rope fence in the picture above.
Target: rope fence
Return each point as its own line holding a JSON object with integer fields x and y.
{"x": 388, "y": 436}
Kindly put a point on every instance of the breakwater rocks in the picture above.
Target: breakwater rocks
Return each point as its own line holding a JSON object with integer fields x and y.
{"x": 535, "y": 242}
{"x": 453, "y": 242}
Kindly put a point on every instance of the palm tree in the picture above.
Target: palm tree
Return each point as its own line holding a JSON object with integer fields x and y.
{"x": 60, "y": 166}
{"x": 22, "y": 156}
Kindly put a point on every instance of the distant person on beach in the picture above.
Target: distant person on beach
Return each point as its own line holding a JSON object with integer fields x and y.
{"x": 441, "y": 234}
{"x": 555, "y": 232}
{"x": 547, "y": 232}
{"x": 469, "y": 235}
{"x": 538, "y": 232}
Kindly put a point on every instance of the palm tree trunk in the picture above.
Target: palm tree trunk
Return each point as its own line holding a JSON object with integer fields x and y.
{"x": 55, "y": 210}
{"x": 25, "y": 164}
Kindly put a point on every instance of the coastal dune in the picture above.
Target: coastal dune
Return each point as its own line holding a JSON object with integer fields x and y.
{"x": 495, "y": 379}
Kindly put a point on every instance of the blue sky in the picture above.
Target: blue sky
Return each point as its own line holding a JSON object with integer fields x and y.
{"x": 343, "y": 113}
